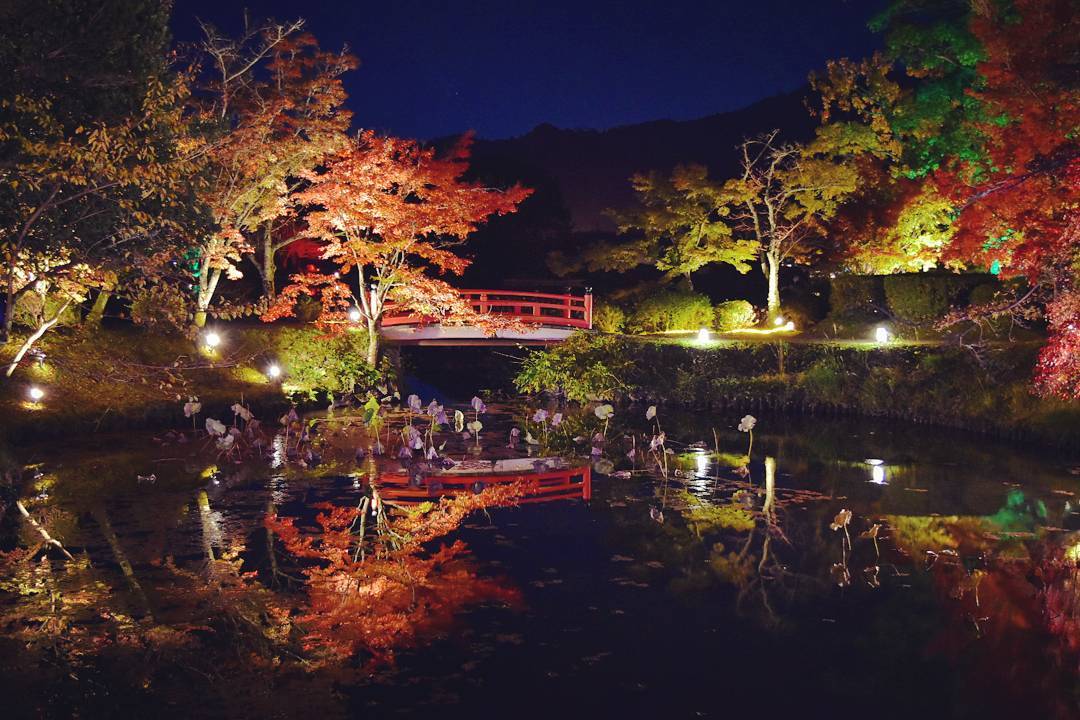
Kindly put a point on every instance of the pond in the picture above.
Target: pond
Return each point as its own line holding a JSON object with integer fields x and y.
{"x": 608, "y": 589}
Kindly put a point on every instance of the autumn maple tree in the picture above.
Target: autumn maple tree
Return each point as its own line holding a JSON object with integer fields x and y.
{"x": 389, "y": 213}
{"x": 273, "y": 105}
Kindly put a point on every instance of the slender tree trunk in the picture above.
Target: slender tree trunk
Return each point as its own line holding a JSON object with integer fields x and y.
{"x": 264, "y": 262}
{"x": 101, "y": 515}
{"x": 373, "y": 342}
{"x": 97, "y": 312}
{"x": 34, "y": 337}
{"x": 9, "y": 302}
{"x": 268, "y": 271}
{"x": 773, "y": 274}
{"x": 208, "y": 282}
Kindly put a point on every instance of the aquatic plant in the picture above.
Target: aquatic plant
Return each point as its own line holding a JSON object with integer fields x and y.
{"x": 746, "y": 425}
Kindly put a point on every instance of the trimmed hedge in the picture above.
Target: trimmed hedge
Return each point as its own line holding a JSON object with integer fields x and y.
{"x": 934, "y": 385}
{"x": 854, "y": 297}
{"x": 733, "y": 314}
{"x": 912, "y": 297}
{"x": 671, "y": 310}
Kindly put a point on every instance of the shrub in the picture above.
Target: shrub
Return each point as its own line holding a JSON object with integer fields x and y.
{"x": 33, "y": 308}
{"x": 608, "y": 318}
{"x": 672, "y": 310}
{"x": 855, "y": 296}
{"x": 733, "y": 314}
{"x": 316, "y": 363}
{"x": 584, "y": 367}
{"x": 984, "y": 293}
{"x": 920, "y": 297}
{"x": 160, "y": 306}
{"x": 917, "y": 297}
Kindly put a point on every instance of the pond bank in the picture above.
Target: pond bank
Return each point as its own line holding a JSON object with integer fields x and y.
{"x": 123, "y": 378}
{"x": 947, "y": 386}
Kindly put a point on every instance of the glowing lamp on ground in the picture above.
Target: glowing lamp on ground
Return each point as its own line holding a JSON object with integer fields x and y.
{"x": 877, "y": 475}
{"x": 881, "y": 335}
{"x": 36, "y": 394}
{"x": 354, "y": 315}
{"x": 779, "y": 320}
{"x": 273, "y": 372}
{"x": 789, "y": 326}
{"x": 212, "y": 340}
{"x": 703, "y": 335}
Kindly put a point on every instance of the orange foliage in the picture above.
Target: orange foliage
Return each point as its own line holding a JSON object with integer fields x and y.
{"x": 392, "y": 210}
{"x": 384, "y": 591}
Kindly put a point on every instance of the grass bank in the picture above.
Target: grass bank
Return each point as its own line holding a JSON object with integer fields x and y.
{"x": 121, "y": 378}
{"x": 945, "y": 385}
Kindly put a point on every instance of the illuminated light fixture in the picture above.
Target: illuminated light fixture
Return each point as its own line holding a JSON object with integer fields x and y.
{"x": 881, "y": 335}
{"x": 703, "y": 335}
{"x": 36, "y": 393}
{"x": 778, "y": 321}
{"x": 354, "y": 315}
{"x": 212, "y": 340}
{"x": 876, "y": 462}
{"x": 877, "y": 475}
{"x": 273, "y": 371}
{"x": 789, "y": 325}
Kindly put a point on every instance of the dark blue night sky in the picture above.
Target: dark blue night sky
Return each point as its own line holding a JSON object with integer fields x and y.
{"x": 431, "y": 69}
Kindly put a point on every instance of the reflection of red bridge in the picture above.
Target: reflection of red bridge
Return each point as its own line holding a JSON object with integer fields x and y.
{"x": 552, "y": 317}
{"x": 554, "y": 484}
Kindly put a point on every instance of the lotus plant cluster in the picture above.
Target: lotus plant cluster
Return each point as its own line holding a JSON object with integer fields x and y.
{"x": 231, "y": 441}
{"x": 544, "y": 421}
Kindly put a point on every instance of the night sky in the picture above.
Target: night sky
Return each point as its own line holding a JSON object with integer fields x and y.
{"x": 431, "y": 69}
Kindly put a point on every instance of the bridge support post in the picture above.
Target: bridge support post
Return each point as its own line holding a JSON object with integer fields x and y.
{"x": 588, "y": 307}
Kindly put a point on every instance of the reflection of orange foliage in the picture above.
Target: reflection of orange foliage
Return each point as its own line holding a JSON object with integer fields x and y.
{"x": 396, "y": 592}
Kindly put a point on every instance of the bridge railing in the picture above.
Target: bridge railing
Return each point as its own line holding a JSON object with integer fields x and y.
{"x": 531, "y": 307}
{"x": 565, "y": 484}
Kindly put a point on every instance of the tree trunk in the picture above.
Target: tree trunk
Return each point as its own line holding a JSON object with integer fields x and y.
{"x": 773, "y": 275}
{"x": 267, "y": 270}
{"x": 373, "y": 342}
{"x": 9, "y": 303}
{"x": 97, "y": 312}
{"x": 208, "y": 282}
{"x": 34, "y": 337}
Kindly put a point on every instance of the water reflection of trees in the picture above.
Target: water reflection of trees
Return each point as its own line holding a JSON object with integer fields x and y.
{"x": 166, "y": 595}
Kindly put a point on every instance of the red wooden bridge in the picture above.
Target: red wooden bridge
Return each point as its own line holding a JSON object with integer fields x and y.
{"x": 551, "y": 317}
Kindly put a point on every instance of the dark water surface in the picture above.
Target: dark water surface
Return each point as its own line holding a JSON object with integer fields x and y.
{"x": 703, "y": 595}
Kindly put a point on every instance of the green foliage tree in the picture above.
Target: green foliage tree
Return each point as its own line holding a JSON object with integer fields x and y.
{"x": 679, "y": 226}
{"x": 95, "y": 154}
{"x": 785, "y": 193}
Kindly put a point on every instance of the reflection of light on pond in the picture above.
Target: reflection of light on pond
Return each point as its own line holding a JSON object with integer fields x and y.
{"x": 279, "y": 489}
{"x": 877, "y": 475}
{"x": 277, "y": 451}
{"x": 701, "y": 460}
